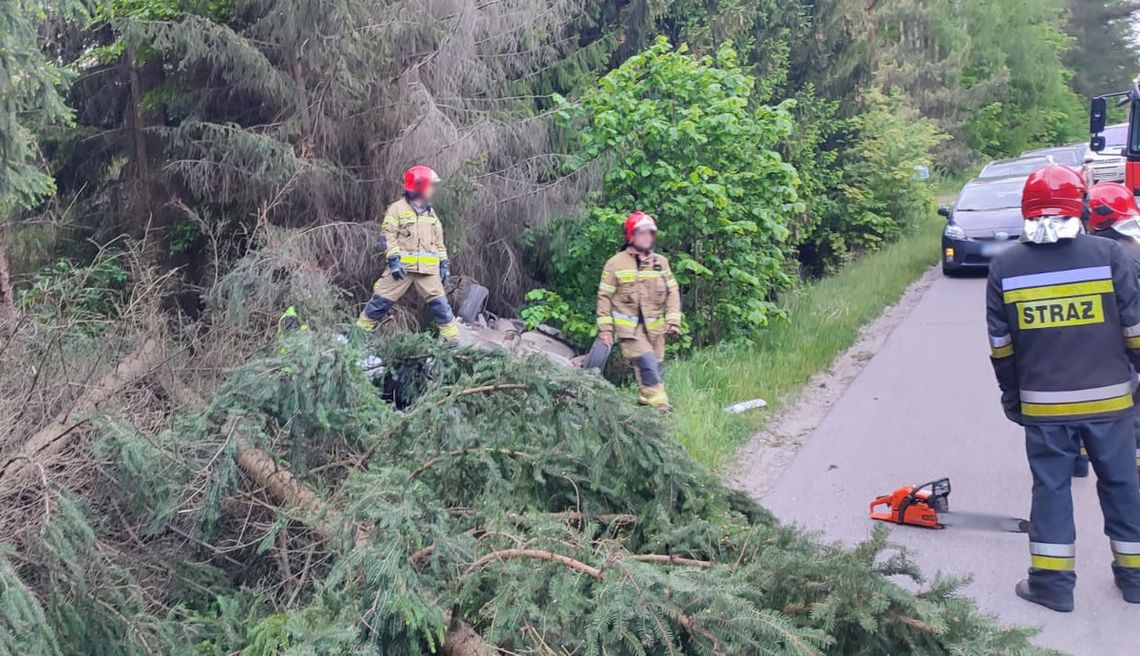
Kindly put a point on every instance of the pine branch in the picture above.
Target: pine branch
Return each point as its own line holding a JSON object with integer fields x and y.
{"x": 670, "y": 559}
{"x": 490, "y": 388}
{"x": 459, "y": 452}
{"x": 540, "y": 554}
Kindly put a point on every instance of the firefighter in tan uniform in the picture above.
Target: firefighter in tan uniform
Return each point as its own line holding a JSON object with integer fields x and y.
{"x": 638, "y": 300}
{"x": 412, "y": 241}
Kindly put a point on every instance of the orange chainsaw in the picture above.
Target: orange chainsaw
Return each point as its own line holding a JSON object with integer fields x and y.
{"x": 928, "y": 506}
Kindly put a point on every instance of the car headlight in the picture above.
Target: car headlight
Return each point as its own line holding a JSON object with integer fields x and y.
{"x": 954, "y": 232}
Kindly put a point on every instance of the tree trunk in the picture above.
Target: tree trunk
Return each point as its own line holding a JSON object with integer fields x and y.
{"x": 18, "y": 468}
{"x": 7, "y": 297}
{"x": 309, "y": 149}
{"x": 142, "y": 198}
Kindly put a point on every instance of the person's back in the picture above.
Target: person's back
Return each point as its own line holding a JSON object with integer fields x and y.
{"x": 1064, "y": 323}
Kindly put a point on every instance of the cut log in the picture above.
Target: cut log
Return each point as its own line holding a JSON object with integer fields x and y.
{"x": 21, "y": 465}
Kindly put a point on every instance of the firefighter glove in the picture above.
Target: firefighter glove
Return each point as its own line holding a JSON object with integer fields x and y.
{"x": 396, "y": 267}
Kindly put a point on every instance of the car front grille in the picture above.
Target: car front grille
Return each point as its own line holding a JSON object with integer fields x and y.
{"x": 1108, "y": 172}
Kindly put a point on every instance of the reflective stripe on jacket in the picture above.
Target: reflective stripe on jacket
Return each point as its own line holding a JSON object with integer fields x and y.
{"x": 1064, "y": 326}
{"x": 416, "y": 237}
{"x": 637, "y": 290}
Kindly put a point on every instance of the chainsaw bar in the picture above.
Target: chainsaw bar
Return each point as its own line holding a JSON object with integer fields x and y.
{"x": 981, "y": 522}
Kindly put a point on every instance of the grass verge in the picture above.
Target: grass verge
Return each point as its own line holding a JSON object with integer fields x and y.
{"x": 824, "y": 319}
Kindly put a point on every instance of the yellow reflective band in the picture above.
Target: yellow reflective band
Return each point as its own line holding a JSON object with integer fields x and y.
{"x": 390, "y": 222}
{"x": 626, "y": 275}
{"x": 423, "y": 218}
{"x": 653, "y": 324}
{"x": 1058, "y": 291}
{"x": 392, "y": 252}
{"x": 673, "y": 317}
{"x": 413, "y": 258}
{"x": 1001, "y": 352}
{"x": 1132, "y": 342}
{"x": 606, "y": 287}
{"x": 654, "y": 399}
{"x": 450, "y": 331}
{"x": 1127, "y": 560}
{"x": 621, "y": 321}
{"x": 1114, "y": 404}
{"x": 1060, "y": 313}
{"x": 605, "y": 321}
{"x": 365, "y": 323}
{"x": 1084, "y": 452}
{"x": 671, "y": 284}
{"x": 1054, "y": 563}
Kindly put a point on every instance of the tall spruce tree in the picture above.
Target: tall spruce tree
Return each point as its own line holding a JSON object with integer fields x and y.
{"x": 29, "y": 100}
{"x": 1106, "y": 55}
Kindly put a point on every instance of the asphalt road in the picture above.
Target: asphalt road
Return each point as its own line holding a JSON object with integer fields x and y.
{"x": 926, "y": 406}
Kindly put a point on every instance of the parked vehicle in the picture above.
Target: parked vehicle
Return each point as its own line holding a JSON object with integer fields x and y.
{"x": 1073, "y": 155}
{"x": 984, "y": 221}
{"x": 1107, "y": 164}
{"x": 1004, "y": 168}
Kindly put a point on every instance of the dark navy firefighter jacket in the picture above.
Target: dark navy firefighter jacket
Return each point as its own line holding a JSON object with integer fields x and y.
{"x": 1064, "y": 328}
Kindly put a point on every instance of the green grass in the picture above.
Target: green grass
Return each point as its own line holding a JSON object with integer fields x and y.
{"x": 824, "y": 319}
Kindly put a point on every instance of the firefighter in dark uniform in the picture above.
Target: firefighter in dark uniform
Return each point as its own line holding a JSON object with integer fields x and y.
{"x": 1063, "y": 314}
{"x": 1113, "y": 214}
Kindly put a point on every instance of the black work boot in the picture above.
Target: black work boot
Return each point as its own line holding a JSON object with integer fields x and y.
{"x": 1025, "y": 592}
{"x": 1131, "y": 595}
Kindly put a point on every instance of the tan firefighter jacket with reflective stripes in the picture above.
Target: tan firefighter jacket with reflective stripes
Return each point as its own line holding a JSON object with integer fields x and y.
{"x": 1064, "y": 326}
{"x": 637, "y": 289}
{"x": 416, "y": 237}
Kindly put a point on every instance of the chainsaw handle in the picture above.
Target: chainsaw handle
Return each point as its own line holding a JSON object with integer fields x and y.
{"x": 879, "y": 502}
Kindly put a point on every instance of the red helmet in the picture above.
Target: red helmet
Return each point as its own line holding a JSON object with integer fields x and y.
{"x": 418, "y": 178}
{"x": 1054, "y": 190}
{"x": 1109, "y": 204}
{"x": 637, "y": 221}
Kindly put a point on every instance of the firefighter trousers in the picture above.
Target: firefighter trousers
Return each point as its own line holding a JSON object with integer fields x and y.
{"x": 1082, "y": 466}
{"x": 646, "y": 353}
{"x": 1052, "y": 450}
{"x": 429, "y": 286}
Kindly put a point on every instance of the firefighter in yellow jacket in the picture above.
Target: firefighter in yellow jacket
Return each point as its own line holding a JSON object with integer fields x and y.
{"x": 412, "y": 241}
{"x": 638, "y": 301}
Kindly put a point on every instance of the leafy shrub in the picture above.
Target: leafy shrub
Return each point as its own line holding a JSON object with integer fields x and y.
{"x": 876, "y": 196}
{"x": 67, "y": 292}
{"x": 678, "y": 139}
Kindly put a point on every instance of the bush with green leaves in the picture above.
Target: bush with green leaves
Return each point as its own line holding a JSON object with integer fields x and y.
{"x": 876, "y": 196}
{"x": 678, "y": 137}
{"x": 66, "y": 292}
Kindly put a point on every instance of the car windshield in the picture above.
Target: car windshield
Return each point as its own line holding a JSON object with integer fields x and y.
{"x": 980, "y": 198}
{"x": 1014, "y": 167}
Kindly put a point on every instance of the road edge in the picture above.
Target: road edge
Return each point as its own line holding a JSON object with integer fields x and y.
{"x": 762, "y": 460}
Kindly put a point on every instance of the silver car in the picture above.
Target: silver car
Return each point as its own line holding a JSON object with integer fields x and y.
{"x": 1107, "y": 165}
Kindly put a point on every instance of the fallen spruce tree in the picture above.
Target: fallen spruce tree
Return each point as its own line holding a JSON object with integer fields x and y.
{"x": 507, "y": 506}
